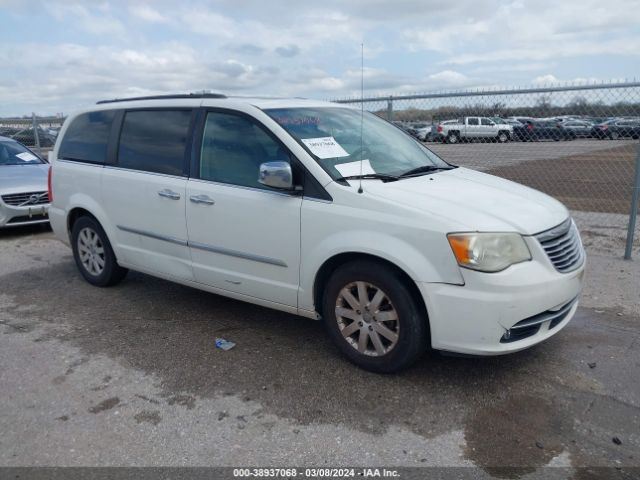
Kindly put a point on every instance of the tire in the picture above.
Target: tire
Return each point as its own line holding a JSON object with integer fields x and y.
{"x": 453, "y": 137}
{"x": 403, "y": 340}
{"x": 93, "y": 253}
{"x": 502, "y": 137}
{"x": 614, "y": 135}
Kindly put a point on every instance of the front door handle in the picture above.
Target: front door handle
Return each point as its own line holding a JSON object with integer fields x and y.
{"x": 166, "y": 193}
{"x": 204, "y": 199}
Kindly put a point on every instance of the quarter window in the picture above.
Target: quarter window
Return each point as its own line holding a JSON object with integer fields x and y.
{"x": 86, "y": 138}
{"x": 155, "y": 141}
{"x": 233, "y": 147}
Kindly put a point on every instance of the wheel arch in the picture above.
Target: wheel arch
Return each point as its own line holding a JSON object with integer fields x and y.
{"x": 331, "y": 264}
{"x": 74, "y": 214}
{"x": 81, "y": 209}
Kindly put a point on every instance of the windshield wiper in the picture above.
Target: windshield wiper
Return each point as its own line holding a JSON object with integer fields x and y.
{"x": 370, "y": 176}
{"x": 425, "y": 169}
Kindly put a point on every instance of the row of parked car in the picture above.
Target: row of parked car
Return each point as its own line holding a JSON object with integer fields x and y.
{"x": 524, "y": 129}
{"x": 26, "y": 136}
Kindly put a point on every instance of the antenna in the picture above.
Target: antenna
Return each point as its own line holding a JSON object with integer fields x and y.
{"x": 361, "y": 112}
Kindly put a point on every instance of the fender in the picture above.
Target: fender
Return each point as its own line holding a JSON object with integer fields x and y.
{"x": 419, "y": 266}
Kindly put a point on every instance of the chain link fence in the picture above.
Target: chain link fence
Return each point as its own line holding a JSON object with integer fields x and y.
{"x": 578, "y": 143}
{"x": 37, "y": 133}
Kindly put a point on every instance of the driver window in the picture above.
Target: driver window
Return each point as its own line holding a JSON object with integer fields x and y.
{"x": 486, "y": 121}
{"x": 233, "y": 147}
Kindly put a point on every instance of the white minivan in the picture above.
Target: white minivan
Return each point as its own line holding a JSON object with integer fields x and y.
{"x": 319, "y": 210}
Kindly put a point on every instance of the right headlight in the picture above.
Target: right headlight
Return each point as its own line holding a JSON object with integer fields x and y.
{"x": 488, "y": 252}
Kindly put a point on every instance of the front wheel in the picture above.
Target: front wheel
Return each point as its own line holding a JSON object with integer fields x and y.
{"x": 93, "y": 253}
{"x": 373, "y": 318}
{"x": 503, "y": 137}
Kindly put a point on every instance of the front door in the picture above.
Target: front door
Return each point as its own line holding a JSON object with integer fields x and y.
{"x": 244, "y": 237}
{"x": 487, "y": 127}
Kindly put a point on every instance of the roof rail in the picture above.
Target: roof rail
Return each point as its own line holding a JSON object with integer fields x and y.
{"x": 165, "y": 97}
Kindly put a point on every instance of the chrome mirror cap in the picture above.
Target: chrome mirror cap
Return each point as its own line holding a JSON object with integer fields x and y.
{"x": 276, "y": 175}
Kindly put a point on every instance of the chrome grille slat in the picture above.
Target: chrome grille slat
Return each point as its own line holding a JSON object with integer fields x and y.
{"x": 557, "y": 244}
{"x": 563, "y": 252}
{"x": 562, "y": 246}
{"x": 567, "y": 251}
{"x": 568, "y": 260}
{"x": 22, "y": 199}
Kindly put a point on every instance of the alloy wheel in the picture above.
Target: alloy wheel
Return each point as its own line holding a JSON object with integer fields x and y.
{"x": 91, "y": 251}
{"x": 367, "y": 319}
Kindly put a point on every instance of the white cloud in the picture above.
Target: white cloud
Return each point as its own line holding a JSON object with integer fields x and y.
{"x": 108, "y": 48}
{"x": 449, "y": 78}
{"x": 147, "y": 13}
{"x": 547, "y": 79}
{"x": 82, "y": 17}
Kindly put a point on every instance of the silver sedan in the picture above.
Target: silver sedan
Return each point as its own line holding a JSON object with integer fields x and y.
{"x": 24, "y": 198}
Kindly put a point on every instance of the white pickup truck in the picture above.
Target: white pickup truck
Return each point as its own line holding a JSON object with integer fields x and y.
{"x": 472, "y": 128}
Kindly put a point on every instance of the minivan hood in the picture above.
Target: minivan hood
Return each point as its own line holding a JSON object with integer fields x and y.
{"x": 475, "y": 201}
{"x": 23, "y": 178}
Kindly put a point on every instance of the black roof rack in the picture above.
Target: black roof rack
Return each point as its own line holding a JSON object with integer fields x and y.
{"x": 165, "y": 97}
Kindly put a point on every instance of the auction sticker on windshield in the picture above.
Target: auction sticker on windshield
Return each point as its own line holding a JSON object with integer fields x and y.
{"x": 26, "y": 156}
{"x": 355, "y": 168}
{"x": 325, "y": 147}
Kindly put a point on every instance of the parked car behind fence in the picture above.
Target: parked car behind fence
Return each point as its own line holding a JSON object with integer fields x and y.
{"x": 533, "y": 131}
{"x": 615, "y": 129}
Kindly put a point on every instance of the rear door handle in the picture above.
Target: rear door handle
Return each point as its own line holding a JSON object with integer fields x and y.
{"x": 166, "y": 193}
{"x": 204, "y": 199}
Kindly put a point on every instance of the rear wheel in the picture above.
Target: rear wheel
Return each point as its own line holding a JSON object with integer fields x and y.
{"x": 93, "y": 253}
{"x": 614, "y": 135}
{"x": 453, "y": 137}
{"x": 373, "y": 318}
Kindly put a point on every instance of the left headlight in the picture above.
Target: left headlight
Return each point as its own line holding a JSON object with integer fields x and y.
{"x": 488, "y": 252}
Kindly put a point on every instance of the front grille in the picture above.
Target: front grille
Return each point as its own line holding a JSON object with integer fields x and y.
{"x": 530, "y": 326}
{"x": 563, "y": 246}
{"x": 26, "y": 199}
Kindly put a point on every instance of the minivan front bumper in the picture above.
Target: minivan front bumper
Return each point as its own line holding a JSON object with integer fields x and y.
{"x": 504, "y": 312}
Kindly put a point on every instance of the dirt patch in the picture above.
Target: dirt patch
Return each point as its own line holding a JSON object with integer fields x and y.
{"x": 146, "y": 416}
{"x": 515, "y": 436}
{"x": 107, "y": 404}
{"x": 183, "y": 400}
{"x": 599, "y": 181}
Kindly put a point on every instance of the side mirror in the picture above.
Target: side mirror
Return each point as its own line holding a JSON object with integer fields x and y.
{"x": 276, "y": 175}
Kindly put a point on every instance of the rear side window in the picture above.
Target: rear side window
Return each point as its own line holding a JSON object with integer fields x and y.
{"x": 154, "y": 141}
{"x": 472, "y": 121}
{"x": 86, "y": 138}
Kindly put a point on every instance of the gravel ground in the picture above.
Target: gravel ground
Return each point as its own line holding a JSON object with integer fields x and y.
{"x": 130, "y": 376}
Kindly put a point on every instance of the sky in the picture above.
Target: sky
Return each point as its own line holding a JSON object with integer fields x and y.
{"x": 57, "y": 56}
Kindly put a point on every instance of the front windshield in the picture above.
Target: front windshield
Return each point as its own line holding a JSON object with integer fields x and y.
{"x": 12, "y": 153}
{"x": 338, "y": 138}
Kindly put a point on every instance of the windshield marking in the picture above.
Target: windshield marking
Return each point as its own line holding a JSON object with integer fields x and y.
{"x": 325, "y": 147}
